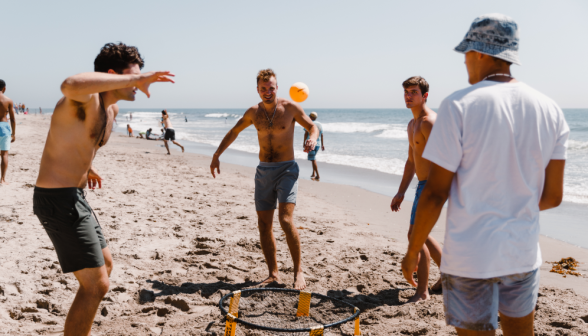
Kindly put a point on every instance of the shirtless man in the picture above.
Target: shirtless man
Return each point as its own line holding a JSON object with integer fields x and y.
{"x": 170, "y": 133}
{"x": 6, "y": 135}
{"x": 81, "y": 124}
{"x": 276, "y": 178}
{"x": 416, "y": 91}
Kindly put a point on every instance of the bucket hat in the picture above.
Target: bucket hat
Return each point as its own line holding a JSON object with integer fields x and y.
{"x": 496, "y": 35}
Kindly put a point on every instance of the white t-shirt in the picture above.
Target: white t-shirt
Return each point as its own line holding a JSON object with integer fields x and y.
{"x": 498, "y": 138}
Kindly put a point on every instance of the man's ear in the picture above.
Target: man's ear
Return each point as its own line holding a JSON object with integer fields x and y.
{"x": 426, "y": 95}
{"x": 110, "y": 71}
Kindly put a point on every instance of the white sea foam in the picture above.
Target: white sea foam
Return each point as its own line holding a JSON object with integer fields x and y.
{"x": 354, "y": 127}
{"x": 222, "y": 115}
{"x": 393, "y": 134}
{"x": 577, "y": 145}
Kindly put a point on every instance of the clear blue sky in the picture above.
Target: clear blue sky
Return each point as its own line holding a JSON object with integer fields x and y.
{"x": 352, "y": 54}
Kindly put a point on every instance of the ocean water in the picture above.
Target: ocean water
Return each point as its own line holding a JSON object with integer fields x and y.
{"x": 365, "y": 138}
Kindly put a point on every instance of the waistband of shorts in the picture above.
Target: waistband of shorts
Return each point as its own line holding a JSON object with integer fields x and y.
{"x": 275, "y": 164}
{"x": 58, "y": 191}
{"x": 422, "y": 183}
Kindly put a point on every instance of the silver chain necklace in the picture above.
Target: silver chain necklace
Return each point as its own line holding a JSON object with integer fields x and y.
{"x": 271, "y": 122}
{"x": 497, "y": 74}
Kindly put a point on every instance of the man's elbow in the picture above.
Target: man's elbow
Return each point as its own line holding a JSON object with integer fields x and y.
{"x": 67, "y": 86}
{"x": 553, "y": 200}
{"x": 436, "y": 197}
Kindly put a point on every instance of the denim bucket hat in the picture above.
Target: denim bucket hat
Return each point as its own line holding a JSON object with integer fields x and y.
{"x": 496, "y": 35}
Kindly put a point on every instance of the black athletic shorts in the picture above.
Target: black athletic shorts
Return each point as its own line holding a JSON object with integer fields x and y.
{"x": 72, "y": 227}
{"x": 170, "y": 134}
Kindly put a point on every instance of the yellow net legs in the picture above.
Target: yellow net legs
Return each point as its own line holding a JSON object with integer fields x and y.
{"x": 231, "y": 325}
{"x": 317, "y": 331}
{"x": 304, "y": 305}
{"x": 357, "y": 332}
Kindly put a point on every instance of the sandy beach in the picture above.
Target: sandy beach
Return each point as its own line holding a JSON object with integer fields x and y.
{"x": 181, "y": 240}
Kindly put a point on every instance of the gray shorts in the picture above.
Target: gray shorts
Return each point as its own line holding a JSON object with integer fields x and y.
{"x": 474, "y": 304}
{"x": 275, "y": 181}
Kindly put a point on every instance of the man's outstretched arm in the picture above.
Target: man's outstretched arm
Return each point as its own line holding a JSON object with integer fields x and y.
{"x": 80, "y": 87}
{"x": 431, "y": 203}
{"x": 242, "y": 124}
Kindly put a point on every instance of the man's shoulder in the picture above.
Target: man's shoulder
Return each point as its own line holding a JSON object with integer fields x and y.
{"x": 290, "y": 105}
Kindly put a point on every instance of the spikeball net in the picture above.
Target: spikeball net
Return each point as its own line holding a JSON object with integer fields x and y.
{"x": 285, "y": 311}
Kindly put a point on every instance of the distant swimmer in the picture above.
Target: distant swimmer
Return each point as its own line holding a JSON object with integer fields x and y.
{"x": 416, "y": 92}
{"x": 129, "y": 130}
{"x": 7, "y": 132}
{"x": 312, "y": 154}
{"x": 131, "y": 116}
{"x": 186, "y": 118}
{"x": 81, "y": 124}
{"x": 276, "y": 179}
{"x": 170, "y": 133}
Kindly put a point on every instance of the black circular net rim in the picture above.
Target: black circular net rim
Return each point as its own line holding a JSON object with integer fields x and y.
{"x": 238, "y": 320}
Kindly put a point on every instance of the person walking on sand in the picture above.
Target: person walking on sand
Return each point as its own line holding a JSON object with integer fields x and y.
{"x": 416, "y": 92}
{"x": 498, "y": 151}
{"x": 81, "y": 124}
{"x": 170, "y": 133}
{"x": 320, "y": 141}
{"x": 7, "y": 132}
{"x": 276, "y": 178}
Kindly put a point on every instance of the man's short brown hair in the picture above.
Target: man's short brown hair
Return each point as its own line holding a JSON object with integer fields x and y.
{"x": 265, "y": 75}
{"x": 117, "y": 57}
{"x": 417, "y": 80}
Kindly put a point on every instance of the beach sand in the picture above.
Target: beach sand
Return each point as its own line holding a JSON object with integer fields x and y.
{"x": 181, "y": 240}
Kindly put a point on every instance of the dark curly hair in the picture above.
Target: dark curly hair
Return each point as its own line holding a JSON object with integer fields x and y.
{"x": 117, "y": 57}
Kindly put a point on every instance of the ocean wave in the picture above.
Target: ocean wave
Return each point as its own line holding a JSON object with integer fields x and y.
{"x": 393, "y": 134}
{"x": 354, "y": 127}
{"x": 222, "y": 115}
{"x": 577, "y": 145}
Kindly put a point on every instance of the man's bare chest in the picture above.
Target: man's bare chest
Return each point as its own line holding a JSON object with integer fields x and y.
{"x": 281, "y": 122}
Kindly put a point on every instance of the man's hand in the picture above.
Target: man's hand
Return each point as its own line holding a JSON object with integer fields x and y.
{"x": 396, "y": 201}
{"x": 215, "y": 164}
{"x": 13, "y": 138}
{"x": 148, "y": 78}
{"x": 94, "y": 179}
{"x": 323, "y": 148}
{"x": 309, "y": 145}
{"x": 409, "y": 264}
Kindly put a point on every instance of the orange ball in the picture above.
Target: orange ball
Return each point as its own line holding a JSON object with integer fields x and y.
{"x": 299, "y": 92}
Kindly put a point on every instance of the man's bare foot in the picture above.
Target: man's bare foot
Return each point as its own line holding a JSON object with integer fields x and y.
{"x": 438, "y": 286}
{"x": 168, "y": 153}
{"x": 419, "y": 297}
{"x": 273, "y": 282}
{"x": 299, "y": 282}
{"x": 4, "y": 183}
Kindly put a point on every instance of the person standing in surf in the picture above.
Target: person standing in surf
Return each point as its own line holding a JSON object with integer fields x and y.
{"x": 276, "y": 178}
{"x": 81, "y": 123}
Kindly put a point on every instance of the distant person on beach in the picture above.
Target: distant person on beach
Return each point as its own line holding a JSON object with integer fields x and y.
{"x": 7, "y": 132}
{"x": 131, "y": 116}
{"x": 416, "y": 92}
{"x": 81, "y": 124}
{"x": 129, "y": 130}
{"x": 186, "y": 118}
{"x": 276, "y": 178}
{"x": 498, "y": 151}
{"x": 320, "y": 141}
{"x": 40, "y": 110}
{"x": 170, "y": 133}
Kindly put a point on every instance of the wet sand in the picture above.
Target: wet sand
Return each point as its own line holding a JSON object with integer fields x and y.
{"x": 181, "y": 240}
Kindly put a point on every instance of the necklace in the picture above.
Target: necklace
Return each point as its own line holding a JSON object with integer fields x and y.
{"x": 271, "y": 122}
{"x": 497, "y": 74}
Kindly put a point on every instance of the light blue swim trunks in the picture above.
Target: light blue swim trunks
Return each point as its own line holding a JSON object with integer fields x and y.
{"x": 474, "y": 304}
{"x": 5, "y": 136}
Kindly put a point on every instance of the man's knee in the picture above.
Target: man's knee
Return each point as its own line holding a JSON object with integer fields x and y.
{"x": 97, "y": 288}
